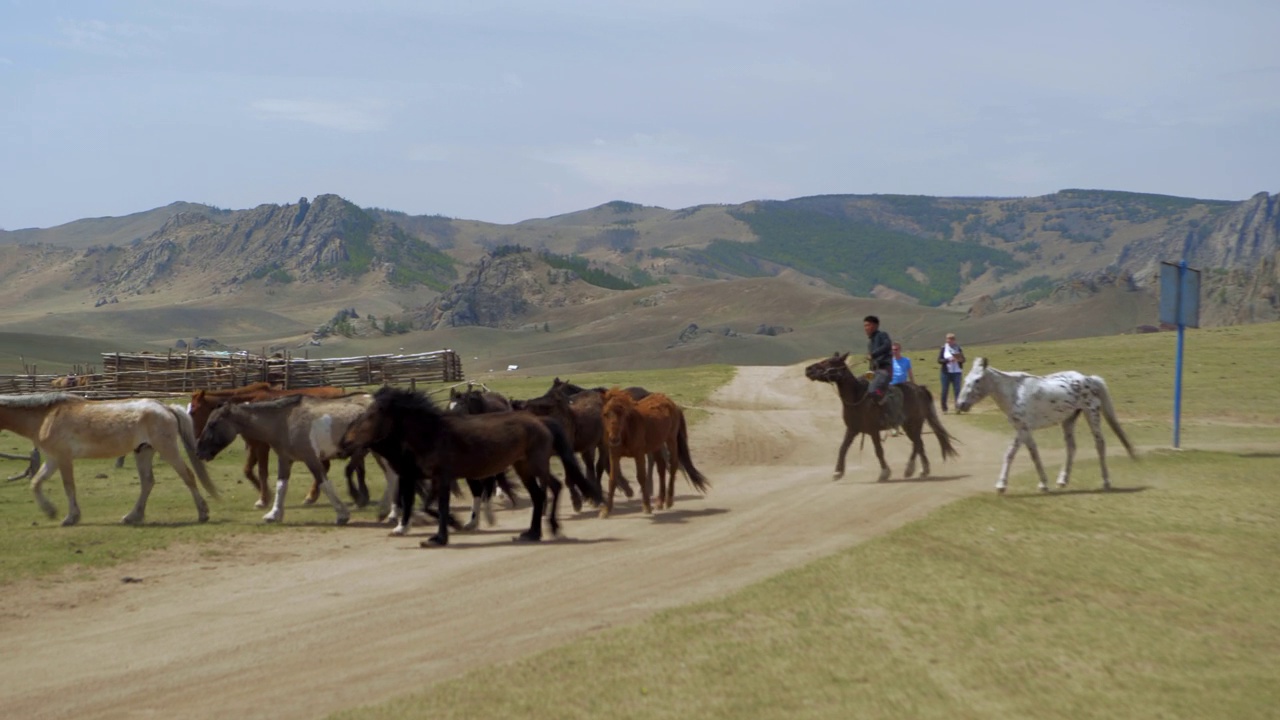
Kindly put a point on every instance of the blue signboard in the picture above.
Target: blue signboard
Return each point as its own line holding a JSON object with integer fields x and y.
{"x": 1179, "y": 295}
{"x": 1179, "y": 305}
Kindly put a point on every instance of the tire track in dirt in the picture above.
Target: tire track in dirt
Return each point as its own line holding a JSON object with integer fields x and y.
{"x": 339, "y": 619}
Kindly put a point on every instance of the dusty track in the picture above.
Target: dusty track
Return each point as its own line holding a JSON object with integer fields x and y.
{"x": 317, "y": 623}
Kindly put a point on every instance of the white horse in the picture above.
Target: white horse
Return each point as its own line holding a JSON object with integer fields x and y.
{"x": 1033, "y": 401}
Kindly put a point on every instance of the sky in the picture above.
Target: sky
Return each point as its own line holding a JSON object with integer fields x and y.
{"x": 506, "y": 110}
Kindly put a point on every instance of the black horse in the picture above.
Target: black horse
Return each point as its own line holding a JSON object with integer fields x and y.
{"x": 476, "y": 401}
{"x": 862, "y": 415}
{"x": 422, "y": 442}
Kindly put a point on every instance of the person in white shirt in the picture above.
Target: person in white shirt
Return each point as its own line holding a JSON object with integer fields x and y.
{"x": 951, "y": 358}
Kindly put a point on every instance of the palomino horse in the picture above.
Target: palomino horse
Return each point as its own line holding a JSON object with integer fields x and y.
{"x": 641, "y": 428}
{"x": 862, "y": 415}
{"x": 422, "y": 442}
{"x": 65, "y": 427}
{"x": 204, "y": 402}
{"x": 1033, "y": 401}
{"x": 298, "y": 428}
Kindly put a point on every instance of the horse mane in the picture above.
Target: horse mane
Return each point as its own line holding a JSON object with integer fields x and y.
{"x": 39, "y": 400}
{"x": 275, "y": 403}
{"x": 620, "y": 396}
{"x": 399, "y": 401}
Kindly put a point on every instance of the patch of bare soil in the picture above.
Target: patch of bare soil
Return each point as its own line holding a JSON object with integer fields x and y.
{"x": 314, "y": 623}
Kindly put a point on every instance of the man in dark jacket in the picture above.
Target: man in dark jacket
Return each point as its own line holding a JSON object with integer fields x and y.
{"x": 880, "y": 352}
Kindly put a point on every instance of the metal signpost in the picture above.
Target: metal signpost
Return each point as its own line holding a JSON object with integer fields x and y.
{"x": 1179, "y": 305}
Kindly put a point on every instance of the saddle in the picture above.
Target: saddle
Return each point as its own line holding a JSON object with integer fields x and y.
{"x": 892, "y": 414}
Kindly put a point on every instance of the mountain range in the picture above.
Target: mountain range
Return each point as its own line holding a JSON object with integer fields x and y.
{"x": 327, "y": 271}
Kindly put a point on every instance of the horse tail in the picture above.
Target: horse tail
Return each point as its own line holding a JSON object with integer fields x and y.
{"x": 931, "y": 416}
{"x": 187, "y": 431}
{"x": 573, "y": 474}
{"x": 1109, "y": 412}
{"x": 682, "y": 448}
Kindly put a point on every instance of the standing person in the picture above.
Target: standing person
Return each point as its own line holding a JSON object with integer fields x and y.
{"x": 951, "y": 358}
{"x": 880, "y": 353}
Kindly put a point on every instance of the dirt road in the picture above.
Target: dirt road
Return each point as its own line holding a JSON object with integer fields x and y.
{"x": 311, "y": 624}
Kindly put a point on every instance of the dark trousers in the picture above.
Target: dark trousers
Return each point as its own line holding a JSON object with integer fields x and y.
{"x": 881, "y": 381}
{"x": 952, "y": 379}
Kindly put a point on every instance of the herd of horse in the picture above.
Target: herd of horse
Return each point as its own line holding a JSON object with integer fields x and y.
{"x": 424, "y": 449}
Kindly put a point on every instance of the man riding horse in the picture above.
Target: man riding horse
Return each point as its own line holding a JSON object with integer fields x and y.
{"x": 880, "y": 354}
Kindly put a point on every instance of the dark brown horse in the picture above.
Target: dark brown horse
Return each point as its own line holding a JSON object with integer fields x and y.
{"x": 476, "y": 401}
{"x": 862, "y": 415}
{"x": 257, "y": 454}
{"x": 642, "y": 428}
{"x": 424, "y": 443}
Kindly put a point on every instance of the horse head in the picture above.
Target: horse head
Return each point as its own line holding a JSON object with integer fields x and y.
{"x": 219, "y": 430}
{"x": 828, "y": 369}
{"x": 975, "y": 388}
{"x": 619, "y": 409}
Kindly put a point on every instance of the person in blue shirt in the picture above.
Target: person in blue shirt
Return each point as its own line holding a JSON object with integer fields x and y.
{"x": 901, "y": 367}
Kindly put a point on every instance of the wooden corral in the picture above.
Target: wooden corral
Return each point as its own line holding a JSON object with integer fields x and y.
{"x": 179, "y": 373}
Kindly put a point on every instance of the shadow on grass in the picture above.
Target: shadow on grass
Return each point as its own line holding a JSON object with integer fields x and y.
{"x": 1078, "y": 491}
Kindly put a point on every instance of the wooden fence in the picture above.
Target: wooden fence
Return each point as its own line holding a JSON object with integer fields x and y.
{"x": 132, "y": 374}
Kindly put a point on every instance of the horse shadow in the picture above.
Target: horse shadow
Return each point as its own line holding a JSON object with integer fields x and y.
{"x": 918, "y": 479}
{"x": 681, "y": 516}
{"x": 1079, "y": 491}
{"x": 513, "y": 541}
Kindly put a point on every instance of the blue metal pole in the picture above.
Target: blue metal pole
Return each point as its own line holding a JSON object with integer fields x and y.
{"x": 1177, "y": 373}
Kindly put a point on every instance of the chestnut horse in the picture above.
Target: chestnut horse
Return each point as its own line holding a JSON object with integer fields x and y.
{"x": 422, "y": 442}
{"x": 642, "y": 428}
{"x": 65, "y": 427}
{"x": 257, "y": 454}
{"x": 862, "y": 415}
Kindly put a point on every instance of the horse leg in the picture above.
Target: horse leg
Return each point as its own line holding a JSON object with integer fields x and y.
{"x": 142, "y": 459}
{"x": 283, "y": 469}
{"x": 314, "y": 493}
{"x": 442, "y": 483}
{"x": 387, "y": 505}
{"x": 1095, "y": 424}
{"x": 173, "y": 456}
{"x": 119, "y": 462}
{"x": 607, "y": 507}
{"x": 1069, "y": 437}
{"x": 477, "y": 488}
{"x": 885, "y": 472}
{"x": 357, "y": 487}
{"x": 37, "y": 484}
{"x": 553, "y": 487}
{"x": 69, "y": 487}
{"x": 254, "y": 458}
{"x": 844, "y": 449}
{"x": 262, "y": 454}
{"x": 1034, "y": 450}
{"x": 667, "y": 463}
{"x": 1002, "y": 482}
{"x": 646, "y": 482}
{"x": 319, "y": 470}
{"x": 538, "y": 495}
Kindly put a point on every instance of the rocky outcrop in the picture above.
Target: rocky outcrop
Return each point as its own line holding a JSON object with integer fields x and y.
{"x": 500, "y": 292}
{"x": 315, "y": 241}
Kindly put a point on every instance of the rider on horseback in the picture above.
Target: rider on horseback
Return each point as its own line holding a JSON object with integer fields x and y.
{"x": 880, "y": 353}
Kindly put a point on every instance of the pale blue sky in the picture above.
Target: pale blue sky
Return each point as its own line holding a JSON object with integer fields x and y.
{"x": 505, "y": 110}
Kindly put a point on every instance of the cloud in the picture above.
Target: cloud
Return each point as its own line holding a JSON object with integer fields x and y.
{"x": 330, "y": 115}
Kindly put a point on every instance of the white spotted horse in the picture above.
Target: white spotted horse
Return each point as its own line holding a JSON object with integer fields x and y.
{"x": 1034, "y": 401}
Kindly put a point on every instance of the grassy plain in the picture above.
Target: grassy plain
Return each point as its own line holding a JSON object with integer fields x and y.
{"x": 1152, "y": 601}
{"x": 32, "y": 545}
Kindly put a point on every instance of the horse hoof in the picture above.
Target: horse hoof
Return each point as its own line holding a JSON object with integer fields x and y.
{"x": 527, "y": 537}
{"x": 308, "y": 501}
{"x": 999, "y": 490}
{"x": 342, "y": 520}
{"x": 70, "y": 520}
{"x": 260, "y": 504}
{"x": 471, "y": 525}
{"x": 577, "y": 504}
{"x": 130, "y": 519}
{"x": 434, "y": 541}
{"x": 604, "y": 512}
{"x": 837, "y": 475}
{"x": 271, "y": 518}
